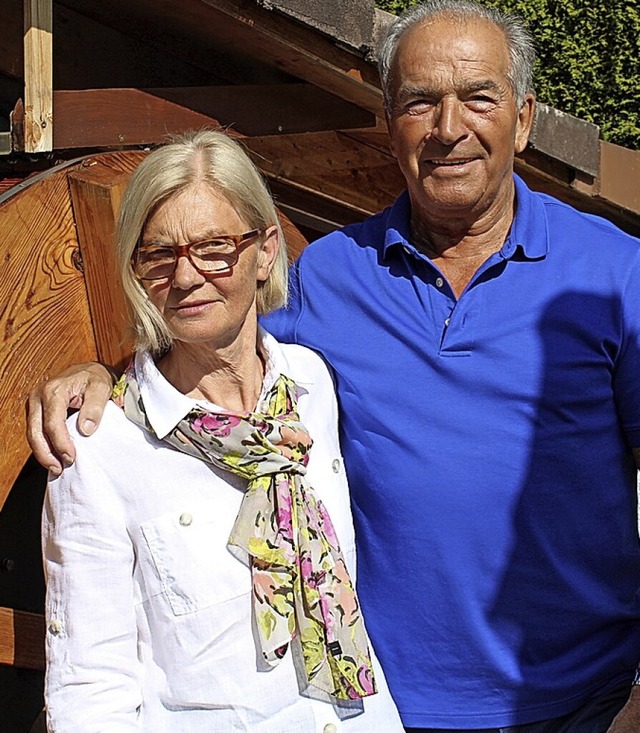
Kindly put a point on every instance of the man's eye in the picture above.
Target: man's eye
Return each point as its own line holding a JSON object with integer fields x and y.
{"x": 480, "y": 102}
{"x": 418, "y": 106}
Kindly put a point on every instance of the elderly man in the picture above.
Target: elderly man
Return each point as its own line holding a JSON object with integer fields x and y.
{"x": 485, "y": 342}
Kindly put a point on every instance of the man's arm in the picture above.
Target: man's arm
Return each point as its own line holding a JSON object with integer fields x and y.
{"x": 87, "y": 387}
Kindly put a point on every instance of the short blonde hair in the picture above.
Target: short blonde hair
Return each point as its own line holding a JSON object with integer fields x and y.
{"x": 205, "y": 156}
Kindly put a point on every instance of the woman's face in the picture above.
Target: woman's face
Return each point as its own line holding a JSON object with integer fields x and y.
{"x": 208, "y": 309}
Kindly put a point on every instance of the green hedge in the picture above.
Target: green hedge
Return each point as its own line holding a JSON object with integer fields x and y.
{"x": 588, "y": 59}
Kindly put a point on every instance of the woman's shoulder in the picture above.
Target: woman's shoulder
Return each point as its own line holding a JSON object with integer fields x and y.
{"x": 114, "y": 433}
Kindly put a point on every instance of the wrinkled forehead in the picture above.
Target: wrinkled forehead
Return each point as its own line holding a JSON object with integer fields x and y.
{"x": 450, "y": 55}
{"x": 451, "y": 41}
{"x": 196, "y": 212}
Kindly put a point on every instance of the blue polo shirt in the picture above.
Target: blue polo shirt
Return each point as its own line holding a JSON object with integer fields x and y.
{"x": 487, "y": 442}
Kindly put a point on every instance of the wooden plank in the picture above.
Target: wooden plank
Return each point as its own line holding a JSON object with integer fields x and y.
{"x": 270, "y": 109}
{"x": 44, "y": 313}
{"x": 96, "y": 192}
{"x": 116, "y": 117}
{"x": 38, "y": 75}
{"x": 333, "y": 166}
{"x": 22, "y": 639}
{"x": 311, "y": 209}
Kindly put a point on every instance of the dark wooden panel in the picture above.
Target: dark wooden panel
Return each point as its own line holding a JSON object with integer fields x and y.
{"x": 227, "y": 26}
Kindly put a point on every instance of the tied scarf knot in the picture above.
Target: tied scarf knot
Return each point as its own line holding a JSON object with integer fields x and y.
{"x": 302, "y": 592}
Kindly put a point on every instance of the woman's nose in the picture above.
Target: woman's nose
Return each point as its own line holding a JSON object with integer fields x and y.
{"x": 185, "y": 275}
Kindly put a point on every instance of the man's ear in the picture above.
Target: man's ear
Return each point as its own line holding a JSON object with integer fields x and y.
{"x": 525, "y": 122}
{"x": 268, "y": 250}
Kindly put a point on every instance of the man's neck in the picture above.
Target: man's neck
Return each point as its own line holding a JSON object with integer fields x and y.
{"x": 459, "y": 247}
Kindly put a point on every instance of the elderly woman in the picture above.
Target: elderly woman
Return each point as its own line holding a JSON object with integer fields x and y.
{"x": 195, "y": 580}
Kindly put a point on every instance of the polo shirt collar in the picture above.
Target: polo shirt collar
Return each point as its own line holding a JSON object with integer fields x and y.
{"x": 398, "y": 231}
{"x": 529, "y": 233}
{"x": 165, "y": 406}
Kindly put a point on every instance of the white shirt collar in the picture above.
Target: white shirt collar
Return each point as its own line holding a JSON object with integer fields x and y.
{"x": 165, "y": 406}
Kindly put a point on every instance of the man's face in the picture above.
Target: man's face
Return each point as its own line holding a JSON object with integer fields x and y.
{"x": 454, "y": 123}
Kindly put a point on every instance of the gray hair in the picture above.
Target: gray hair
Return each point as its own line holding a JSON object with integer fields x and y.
{"x": 215, "y": 159}
{"x": 519, "y": 40}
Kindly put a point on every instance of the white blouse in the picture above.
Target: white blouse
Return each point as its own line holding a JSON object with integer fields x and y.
{"x": 149, "y": 624}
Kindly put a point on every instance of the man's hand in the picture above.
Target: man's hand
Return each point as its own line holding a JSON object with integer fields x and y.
{"x": 86, "y": 386}
{"x": 628, "y": 719}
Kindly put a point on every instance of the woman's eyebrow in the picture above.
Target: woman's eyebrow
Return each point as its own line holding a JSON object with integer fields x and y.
{"x": 169, "y": 241}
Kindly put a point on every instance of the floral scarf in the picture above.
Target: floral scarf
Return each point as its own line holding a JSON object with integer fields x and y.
{"x": 302, "y": 591}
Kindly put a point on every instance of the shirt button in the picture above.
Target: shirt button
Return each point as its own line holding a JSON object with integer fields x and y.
{"x": 335, "y": 465}
{"x": 185, "y": 519}
{"x": 55, "y": 627}
{"x": 447, "y": 322}
{"x": 329, "y": 728}
{"x": 439, "y": 282}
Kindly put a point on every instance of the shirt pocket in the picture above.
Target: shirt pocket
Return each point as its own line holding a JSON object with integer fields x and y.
{"x": 188, "y": 550}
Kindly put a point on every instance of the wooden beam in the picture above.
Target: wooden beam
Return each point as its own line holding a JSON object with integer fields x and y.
{"x": 22, "y": 639}
{"x": 96, "y": 192}
{"x": 270, "y": 109}
{"x": 38, "y": 75}
{"x": 92, "y": 118}
{"x": 332, "y": 166}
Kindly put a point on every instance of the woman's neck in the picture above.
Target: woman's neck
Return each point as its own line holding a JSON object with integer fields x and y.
{"x": 230, "y": 376}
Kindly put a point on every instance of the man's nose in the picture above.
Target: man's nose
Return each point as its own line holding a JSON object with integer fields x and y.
{"x": 449, "y": 124}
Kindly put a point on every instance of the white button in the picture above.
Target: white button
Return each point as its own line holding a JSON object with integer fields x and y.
{"x": 185, "y": 519}
{"x": 329, "y": 728}
{"x": 55, "y": 627}
{"x": 335, "y": 465}
{"x": 447, "y": 322}
{"x": 439, "y": 282}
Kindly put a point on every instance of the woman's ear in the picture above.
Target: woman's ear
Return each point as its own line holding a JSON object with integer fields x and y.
{"x": 267, "y": 252}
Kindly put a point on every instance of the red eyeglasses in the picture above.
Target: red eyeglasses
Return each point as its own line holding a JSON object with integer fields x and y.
{"x": 219, "y": 254}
